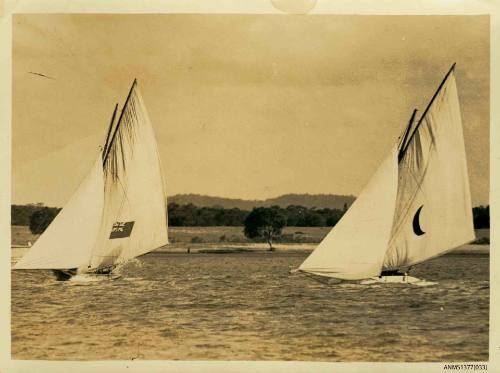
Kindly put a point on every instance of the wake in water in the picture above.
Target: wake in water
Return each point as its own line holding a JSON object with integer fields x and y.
{"x": 117, "y": 272}
{"x": 84, "y": 278}
{"x": 127, "y": 266}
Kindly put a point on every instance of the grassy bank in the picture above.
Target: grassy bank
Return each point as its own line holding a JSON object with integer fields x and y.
{"x": 21, "y": 235}
{"x": 226, "y": 240}
{"x": 222, "y": 236}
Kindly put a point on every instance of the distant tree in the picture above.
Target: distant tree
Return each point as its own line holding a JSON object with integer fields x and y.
{"x": 41, "y": 219}
{"x": 266, "y": 223}
{"x": 331, "y": 221}
{"x": 191, "y": 215}
{"x": 313, "y": 219}
{"x": 481, "y": 216}
{"x": 20, "y": 215}
{"x": 294, "y": 215}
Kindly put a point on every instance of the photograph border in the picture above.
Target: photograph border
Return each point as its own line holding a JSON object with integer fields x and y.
{"x": 346, "y": 7}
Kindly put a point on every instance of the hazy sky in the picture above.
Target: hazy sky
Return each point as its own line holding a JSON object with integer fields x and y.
{"x": 243, "y": 106}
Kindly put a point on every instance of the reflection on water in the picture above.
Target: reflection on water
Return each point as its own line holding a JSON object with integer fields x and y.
{"x": 247, "y": 306}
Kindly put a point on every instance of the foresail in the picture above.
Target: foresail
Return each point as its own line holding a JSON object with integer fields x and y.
{"x": 134, "y": 213}
{"x": 354, "y": 249}
{"x": 433, "y": 208}
{"x": 68, "y": 240}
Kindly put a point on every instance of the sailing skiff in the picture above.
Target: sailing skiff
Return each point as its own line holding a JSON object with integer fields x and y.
{"x": 119, "y": 210}
{"x": 416, "y": 206}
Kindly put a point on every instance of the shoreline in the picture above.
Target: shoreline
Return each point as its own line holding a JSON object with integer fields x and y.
{"x": 285, "y": 248}
{"x": 255, "y": 248}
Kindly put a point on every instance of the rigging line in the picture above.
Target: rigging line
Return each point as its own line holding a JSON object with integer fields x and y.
{"x": 431, "y": 101}
{"x": 162, "y": 171}
{"x": 120, "y": 209}
{"x": 121, "y": 137}
{"x": 120, "y": 119}
{"x": 124, "y": 199}
{"x": 405, "y": 136}
{"x": 109, "y": 130}
{"x": 413, "y": 196}
{"x": 124, "y": 189}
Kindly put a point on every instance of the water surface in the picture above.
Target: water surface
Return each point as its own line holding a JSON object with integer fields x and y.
{"x": 247, "y": 306}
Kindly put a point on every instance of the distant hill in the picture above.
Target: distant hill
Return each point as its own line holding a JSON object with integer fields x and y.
{"x": 319, "y": 201}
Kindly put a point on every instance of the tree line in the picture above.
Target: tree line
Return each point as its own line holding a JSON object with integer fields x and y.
{"x": 296, "y": 216}
{"x": 38, "y": 217}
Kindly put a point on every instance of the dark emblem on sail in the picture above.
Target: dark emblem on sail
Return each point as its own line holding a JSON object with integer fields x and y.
{"x": 121, "y": 229}
{"x": 416, "y": 223}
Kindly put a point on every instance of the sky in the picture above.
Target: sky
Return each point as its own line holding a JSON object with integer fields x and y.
{"x": 243, "y": 106}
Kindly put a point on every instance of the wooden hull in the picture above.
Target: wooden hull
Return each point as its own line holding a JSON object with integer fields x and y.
{"x": 393, "y": 277}
{"x": 404, "y": 279}
{"x": 64, "y": 274}
{"x": 67, "y": 274}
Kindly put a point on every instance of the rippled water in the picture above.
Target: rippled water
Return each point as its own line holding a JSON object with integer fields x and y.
{"x": 247, "y": 306}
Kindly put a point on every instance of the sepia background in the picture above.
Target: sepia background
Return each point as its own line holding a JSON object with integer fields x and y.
{"x": 244, "y": 106}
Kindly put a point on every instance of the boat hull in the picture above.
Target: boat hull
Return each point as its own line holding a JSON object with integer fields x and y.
{"x": 399, "y": 278}
{"x": 402, "y": 279}
{"x": 69, "y": 274}
{"x": 101, "y": 270}
{"x": 64, "y": 274}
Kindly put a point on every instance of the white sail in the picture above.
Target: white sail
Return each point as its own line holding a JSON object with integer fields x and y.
{"x": 433, "y": 209}
{"x": 68, "y": 240}
{"x": 355, "y": 248}
{"x": 119, "y": 211}
{"x": 417, "y": 206}
{"x": 134, "y": 218}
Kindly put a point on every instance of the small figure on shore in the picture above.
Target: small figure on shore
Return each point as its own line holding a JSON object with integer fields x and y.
{"x": 189, "y": 250}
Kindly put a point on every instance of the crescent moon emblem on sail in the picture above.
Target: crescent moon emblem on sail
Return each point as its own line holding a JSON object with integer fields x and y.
{"x": 416, "y": 223}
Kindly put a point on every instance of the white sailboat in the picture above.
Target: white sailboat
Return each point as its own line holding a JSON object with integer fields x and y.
{"x": 416, "y": 206}
{"x": 119, "y": 210}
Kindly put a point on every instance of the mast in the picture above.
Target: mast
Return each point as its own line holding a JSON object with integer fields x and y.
{"x": 429, "y": 106}
{"x": 109, "y": 130}
{"x": 405, "y": 136}
{"x": 119, "y": 121}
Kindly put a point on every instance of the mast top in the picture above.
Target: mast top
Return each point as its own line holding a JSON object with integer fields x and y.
{"x": 134, "y": 83}
{"x": 436, "y": 93}
{"x": 428, "y": 108}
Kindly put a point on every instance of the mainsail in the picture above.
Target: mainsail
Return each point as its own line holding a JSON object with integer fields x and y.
{"x": 119, "y": 211}
{"x": 433, "y": 209}
{"x": 134, "y": 216}
{"x": 416, "y": 206}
